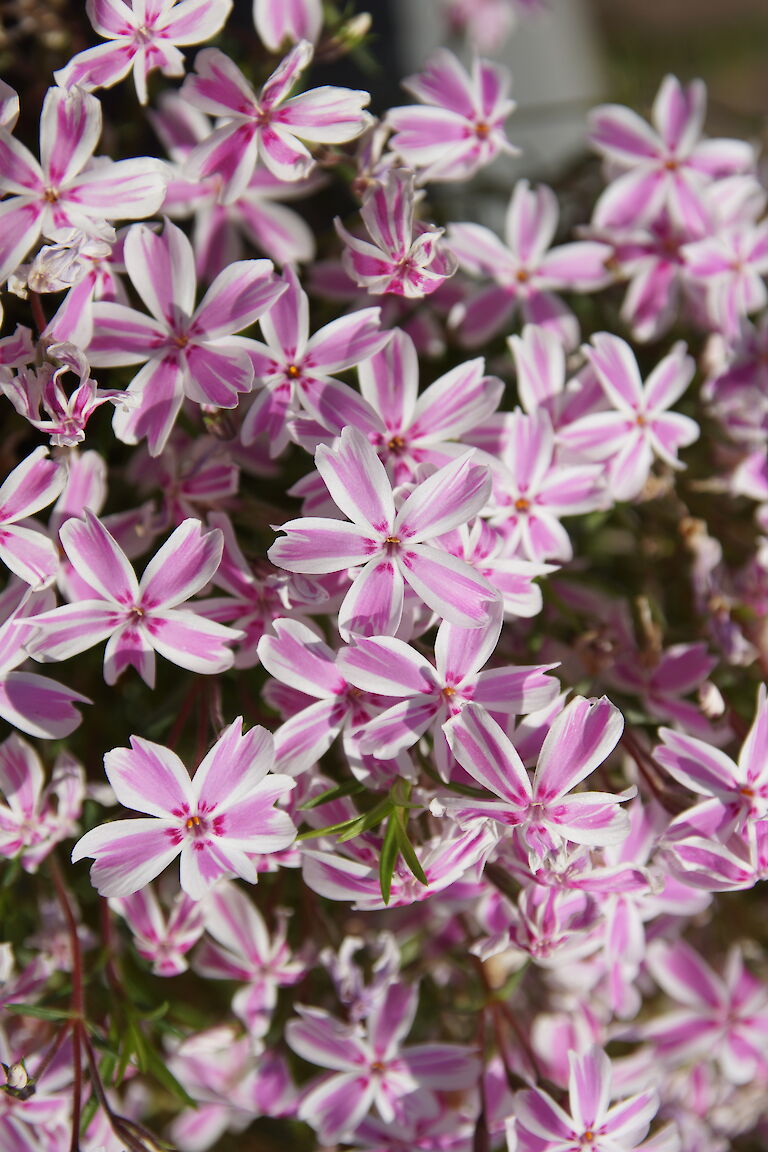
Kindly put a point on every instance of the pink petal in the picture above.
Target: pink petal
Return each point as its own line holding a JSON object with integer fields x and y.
{"x": 313, "y": 544}
{"x": 162, "y": 268}
{"x": 70, "y": 126}
{"x": 326, "y": 115}
{"x": 358, "y": 482}
{"x": 182, "y": 567}
{"x": 580, "y": 738}
{"x": 234, "y": 766}
{"x": 373, "y": 606}
{"x": 449, "y": 497}
{"x": 148, "y": 777}
{"x": 127, "y": 853}
{"x": 483, "y": 750}
{"x": 159, "y": 386}
{"x": 32, "y": 485}
{"x": 388, "y": 667}
{"x": 99, "y": 560}
{"x": 41, "y": 707}
{"x": 73, "y": 628}
{"x": 129, "y": 647}
{"x": 447, "y": 585}
{"x": 29, "y": 554}
{"x": 239, "y": 295}
{"x": 298, "y": 657}
{"x": 191, "y": 641}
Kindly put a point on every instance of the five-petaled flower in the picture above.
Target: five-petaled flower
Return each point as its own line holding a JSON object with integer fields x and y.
{"x": 215, "y": 822}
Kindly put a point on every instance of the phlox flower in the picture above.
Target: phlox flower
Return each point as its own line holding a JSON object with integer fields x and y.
{"x": 406, "y": 428}
{"x": 591, "y": 1124}
{"x": 533, "y": 489}
{"x": 139, "y": 618}
{"x": 639, "y": 427}
{"x": 35, "y": 815}
{"x": 295, "y": 655}
{"x": 526, "y": 270}
{"x": 293, "y": 368}
{"x": 186, "y": 351}
{"x": 461, "y": 129}
{"x": 401, "y": 258}
{"x": 215, "y": 822}
{"x": 717, "y": 1017}
{"x": 142, "y": 35}
{"x": 427, "y": 696}
{"x": 270, "y": 127}
{"x": 739, "y": 789}
{"x": 219, "y": 230}
{"x": 162, "y": 939}
{"x": 579, "y": 739}
{"x": 243, "y": 949}
{"x": 394, "y": 547}
{"x": 667, "y": 166}
{"x": 66, "y": 190}
{"x": 370, "y": 1067}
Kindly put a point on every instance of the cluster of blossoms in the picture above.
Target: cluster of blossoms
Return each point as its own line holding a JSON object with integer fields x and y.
{"x": 458, "y": 732}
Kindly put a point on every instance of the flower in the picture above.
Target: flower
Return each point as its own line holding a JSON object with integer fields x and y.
{"x": 138, "y": 618}
{"x": 142, "y": 35}
{"x": 214, "y": 822}
{"x": 393, "y": 547}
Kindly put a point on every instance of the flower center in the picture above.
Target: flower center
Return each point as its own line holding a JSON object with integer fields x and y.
{"x": 521, "y": 504}
{"x": 51, "y": 195}
{"x": 293, "y": 371}
{"x": 396, "y": 444}
{"x": 392, "y": 540}
{"x": 482, "y": 130}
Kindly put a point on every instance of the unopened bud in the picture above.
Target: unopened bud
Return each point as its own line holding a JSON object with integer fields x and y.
{"x": 17, "y": 1080}
{"x": 710, "y": 700}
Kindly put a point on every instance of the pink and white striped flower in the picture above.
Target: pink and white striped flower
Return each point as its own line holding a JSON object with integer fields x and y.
{"x": 526, "y": 271}
{"x": 370, "y": 1067}
{"x": 579, "y": 739}
{"x": 394, "y": 547}
{"x": 271, "y": 126}
{"x": 242, "y": 949}
{"x": 186, "y": 351}
{"x": 591, "y": 1125}
{"x": 66, "y": 189}
{"x": 428, "y": 696}
{"x": 461, "y": 129}
{"x": 36, "y": 815}
{"x": 667, "y": 166}
{"x": 137, "y": 618}
{"x": 640, "y": 426}
{"x": 142, "y": 35}
{"x": 215, "y": 822}
{"x": 293, "y": 368}
{"x": 164, "y": 939}
{"x": 401, "y": 258}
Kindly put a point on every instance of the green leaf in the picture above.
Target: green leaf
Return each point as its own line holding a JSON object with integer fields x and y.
{"x": 350, "y": 788}
{"x": 155, "y": 1066}
{"x": 406, "y": 848}
{"x": 41, "y": 1013}
{"x": 389, "y": 854}
{"x": 368, "y": 820}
